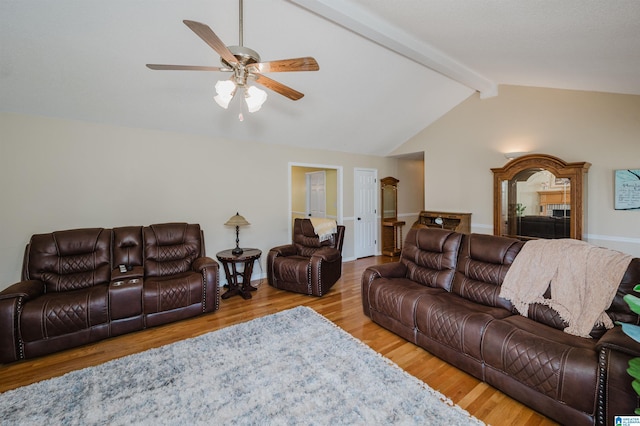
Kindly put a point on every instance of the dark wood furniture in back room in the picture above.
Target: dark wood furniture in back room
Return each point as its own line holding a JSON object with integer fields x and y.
{"x": 247, "y": 258}
{"x": 459, "y": 222}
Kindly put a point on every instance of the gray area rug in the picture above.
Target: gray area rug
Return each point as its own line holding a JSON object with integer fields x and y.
{"x": 293, "y": 367}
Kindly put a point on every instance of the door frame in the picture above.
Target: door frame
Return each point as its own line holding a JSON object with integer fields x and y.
{"x": 339, "y": 190}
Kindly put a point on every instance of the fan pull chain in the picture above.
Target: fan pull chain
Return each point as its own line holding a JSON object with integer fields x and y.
{"x": 241, "y": 115}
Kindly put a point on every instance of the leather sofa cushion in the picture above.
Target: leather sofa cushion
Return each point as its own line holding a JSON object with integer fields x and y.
{"x": 430, "y": 255}
{"x": 70, "y": 260}
{"x": 550, "y": 361}
{"x": 455, "y": 322}
{"x": 493, "y": 249}
{"x": 398, "y": 298}
{"x": 170, "y": 248}
{"x": 294, "y": 269}
{"x": 57, "y": 314}
{"x": 545, "y": 315}
{"x": 127, "y": 246}
{"x": 166, "y": 293}
{"x": 483, "y": 263}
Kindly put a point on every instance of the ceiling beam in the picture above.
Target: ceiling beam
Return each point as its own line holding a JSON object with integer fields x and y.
{"x": 372, "y": 27}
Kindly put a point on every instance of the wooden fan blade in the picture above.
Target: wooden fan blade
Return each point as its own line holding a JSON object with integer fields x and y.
{"x": 183, "y": 68}
{"x": 285, "y": 65}
{"x": 205, "y": 33}
{"x": 278, "y": 87}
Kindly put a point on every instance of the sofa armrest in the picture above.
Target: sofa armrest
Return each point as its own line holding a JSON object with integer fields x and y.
{"x": 387, "y": 270}
{"x": 29, "y": 289}
{"x": 209, "y": 270}
{"x": 372, "y": 273}
{"x": 274, "y": 253}
{"x": 616, "y": 349}
{"x": 11, "y": 301}
{"x": 326, "y": 254}
{"x": 325, "y": 269}
{"x": 286, "y": 250}
{"x": 616, "y": 340}
{"x": 204, "y": 262}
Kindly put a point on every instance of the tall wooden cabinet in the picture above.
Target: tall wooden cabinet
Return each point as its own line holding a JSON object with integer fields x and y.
{"x": 391, "y": 232}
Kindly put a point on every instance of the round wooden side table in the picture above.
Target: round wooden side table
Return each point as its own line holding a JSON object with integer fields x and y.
{"x": 229, "y": 263}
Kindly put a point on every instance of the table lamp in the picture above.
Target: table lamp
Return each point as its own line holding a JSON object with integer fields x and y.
{"x": 237, "y": 221}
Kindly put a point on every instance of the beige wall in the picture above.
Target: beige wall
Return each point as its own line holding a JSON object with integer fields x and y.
{"x": 410, "y": 191}
{"x": 601, "y": 128}
{"x": 58, "y": 174}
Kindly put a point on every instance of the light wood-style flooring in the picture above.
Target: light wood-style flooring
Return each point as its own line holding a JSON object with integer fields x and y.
{"x": 342, "y": 305}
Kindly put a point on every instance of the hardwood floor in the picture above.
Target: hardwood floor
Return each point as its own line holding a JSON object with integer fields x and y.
{"x": 342, "y": 305}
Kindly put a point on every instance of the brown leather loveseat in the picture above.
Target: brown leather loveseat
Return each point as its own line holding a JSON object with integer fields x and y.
{"x": 84, "y": 285}
{"x": 443, "y": 295}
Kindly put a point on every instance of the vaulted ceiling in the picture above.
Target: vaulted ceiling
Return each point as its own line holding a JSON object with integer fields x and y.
{"x": 388, "y": 69}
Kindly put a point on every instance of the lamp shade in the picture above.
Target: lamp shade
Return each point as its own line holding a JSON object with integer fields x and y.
{"x": 237, "y": 220}
{"x": 254, "y": 98}
{"x": 225, "y": 89}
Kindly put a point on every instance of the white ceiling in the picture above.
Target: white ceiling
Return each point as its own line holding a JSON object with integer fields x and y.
{"x": 84, "y": 59}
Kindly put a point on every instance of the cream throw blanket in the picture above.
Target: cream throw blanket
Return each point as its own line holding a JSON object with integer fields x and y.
{"x": 583, "y": 279}
{"x": 324, "y": 227}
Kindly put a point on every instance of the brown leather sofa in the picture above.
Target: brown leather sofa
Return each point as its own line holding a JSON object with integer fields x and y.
{"x": 443, "y": 295}
{"x": 73, "y": 291}
{"x": 308, "y": 265}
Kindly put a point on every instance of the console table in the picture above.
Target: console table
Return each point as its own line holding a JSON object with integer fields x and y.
{"x": 392, "y": 237}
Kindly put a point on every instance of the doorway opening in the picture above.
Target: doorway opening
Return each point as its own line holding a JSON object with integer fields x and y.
{"x": 308, "y": 193}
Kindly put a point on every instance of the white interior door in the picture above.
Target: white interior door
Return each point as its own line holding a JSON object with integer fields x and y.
{"x": 365, "y": 210}
{"x": 316, "y": 194}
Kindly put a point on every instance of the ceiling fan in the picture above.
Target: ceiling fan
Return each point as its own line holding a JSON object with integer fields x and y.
{"x": 246, "y": 66}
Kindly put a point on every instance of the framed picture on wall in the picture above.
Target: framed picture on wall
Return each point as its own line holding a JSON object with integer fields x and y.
{"x": 627, "y": 189}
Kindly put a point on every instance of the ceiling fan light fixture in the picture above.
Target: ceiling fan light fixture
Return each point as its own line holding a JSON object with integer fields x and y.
{"x": 245, "y": 64}
{"x": 254, "y": 98}
{"x": 225, "y": 90}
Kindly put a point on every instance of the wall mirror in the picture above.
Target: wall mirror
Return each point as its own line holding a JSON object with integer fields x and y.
{"x": 540, "y": 196}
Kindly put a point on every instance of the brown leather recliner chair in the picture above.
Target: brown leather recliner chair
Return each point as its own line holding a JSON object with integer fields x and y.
{"x": 307, "y": 266}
